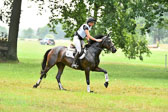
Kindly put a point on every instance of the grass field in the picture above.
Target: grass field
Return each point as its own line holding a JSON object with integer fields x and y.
{"x": 135, "y": 86}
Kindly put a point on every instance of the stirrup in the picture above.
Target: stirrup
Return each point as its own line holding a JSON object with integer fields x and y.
{"x": 74, "y": 66}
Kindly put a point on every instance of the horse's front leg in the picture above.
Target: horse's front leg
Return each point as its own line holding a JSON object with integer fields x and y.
{"x": 87, "y": 74}
{"x": 105, "y": 73}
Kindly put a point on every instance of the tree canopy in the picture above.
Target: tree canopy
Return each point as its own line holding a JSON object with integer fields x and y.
{"x": 3, "y": 29}
{"x": 28, "y": 33}
{"x": 116, "y": 16}
{"x": 43, "y": 31}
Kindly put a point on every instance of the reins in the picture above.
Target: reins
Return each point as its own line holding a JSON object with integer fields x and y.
{"x": 100, "y": 48}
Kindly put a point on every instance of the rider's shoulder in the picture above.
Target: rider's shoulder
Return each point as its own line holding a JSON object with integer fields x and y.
{"x": 85, "y": 27}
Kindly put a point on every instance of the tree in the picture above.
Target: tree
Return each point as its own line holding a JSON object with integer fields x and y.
{"x": 43, "y": 31}
{"x": 28, "y": 33}
{"x": 14, "y": 29}
{"x": 49, "y": 36}
{"x": 14, "y": 15}
{"x": 158, "y": 34}
{"x": 3, "y": 29}
{"x": 118, "y": 16}
{"x": 60, "y": 34}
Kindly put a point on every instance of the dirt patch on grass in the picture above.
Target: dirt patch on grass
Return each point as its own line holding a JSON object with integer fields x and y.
{"x": 162, "y": 47}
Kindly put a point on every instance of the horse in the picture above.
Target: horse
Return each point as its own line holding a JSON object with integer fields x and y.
{"x": 56, "y": 56}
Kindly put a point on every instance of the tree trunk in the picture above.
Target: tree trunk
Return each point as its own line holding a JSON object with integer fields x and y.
{"x": 159, "y": 35}
{"x": 14, "y": 29}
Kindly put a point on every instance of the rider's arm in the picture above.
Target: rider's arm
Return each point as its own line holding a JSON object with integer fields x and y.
{"x": 90, "y": 37}
{"x": 87, "y": 38}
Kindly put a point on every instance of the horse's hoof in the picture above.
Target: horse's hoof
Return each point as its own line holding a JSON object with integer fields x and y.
{"x": 90, "y": 91}
{"x": 106, "y": 84}
{"x": 35, "y": 86}
{"x": 64, "y": 89}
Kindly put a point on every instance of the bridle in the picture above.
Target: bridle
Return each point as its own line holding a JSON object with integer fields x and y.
{"x": 100, "y": 48}
{"x": 103, "y": 40}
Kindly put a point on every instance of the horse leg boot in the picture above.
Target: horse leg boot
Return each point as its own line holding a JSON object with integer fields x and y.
{"x": 106, "y": 75}
{"x": 74, "y": 63}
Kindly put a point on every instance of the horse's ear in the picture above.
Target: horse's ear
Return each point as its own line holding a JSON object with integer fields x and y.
{"x": 109, "y": 34}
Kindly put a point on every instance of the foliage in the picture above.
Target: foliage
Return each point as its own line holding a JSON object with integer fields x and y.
{"x": 60, "y": 34}
{"x": 27, "y": 33}
{"x": 118, "y": 16}
{"x": 49, "y": 36}
{"x": 70, "y": 17}
{"x": 43, "y": 31}
{"x": 158, "y": 34}
{"x": 3, "y": 29}
{"x": 10, "y": 13}
{"x": 5, "y": 11}
{"x": 165, "y": 40}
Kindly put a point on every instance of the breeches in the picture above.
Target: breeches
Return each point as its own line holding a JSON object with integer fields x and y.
{"x": 79, "y": 44}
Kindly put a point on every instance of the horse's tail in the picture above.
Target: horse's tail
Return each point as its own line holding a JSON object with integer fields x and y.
{"x": 45, "y": 59}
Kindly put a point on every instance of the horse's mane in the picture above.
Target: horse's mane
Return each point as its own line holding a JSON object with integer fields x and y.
{"x": 96, "y": 37}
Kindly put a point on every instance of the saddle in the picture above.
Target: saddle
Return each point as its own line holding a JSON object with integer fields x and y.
{"x": 71, "y": 51}
{"x": 72, "y": 46}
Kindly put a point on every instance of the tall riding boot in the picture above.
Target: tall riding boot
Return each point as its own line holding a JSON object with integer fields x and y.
{"x": 74, "y": 63}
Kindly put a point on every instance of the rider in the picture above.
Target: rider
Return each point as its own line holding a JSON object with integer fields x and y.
{"x": 78, "y": 40}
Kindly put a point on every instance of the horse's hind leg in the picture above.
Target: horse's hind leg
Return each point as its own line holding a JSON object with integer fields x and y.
{"x": 43, "y": 75}
{"x": 58, "y": 77}
{"x": 44, "y": 72}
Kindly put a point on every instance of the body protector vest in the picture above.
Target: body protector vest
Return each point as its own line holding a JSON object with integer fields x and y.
{"x": 81, "y": 31}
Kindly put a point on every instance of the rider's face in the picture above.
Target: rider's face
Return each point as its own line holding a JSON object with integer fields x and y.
{"x": 91, "y": 23}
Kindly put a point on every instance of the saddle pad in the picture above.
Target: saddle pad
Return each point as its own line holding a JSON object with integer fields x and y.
{"x": 70, "y": 53}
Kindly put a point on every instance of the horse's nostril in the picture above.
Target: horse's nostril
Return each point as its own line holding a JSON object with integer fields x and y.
{"x": 114, "y": 50}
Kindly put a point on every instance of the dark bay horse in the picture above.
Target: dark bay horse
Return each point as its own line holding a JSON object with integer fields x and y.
{"x": 56, "y": 56}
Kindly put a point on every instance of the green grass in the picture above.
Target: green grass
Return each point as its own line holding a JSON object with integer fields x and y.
{"x": 135, "y": 86}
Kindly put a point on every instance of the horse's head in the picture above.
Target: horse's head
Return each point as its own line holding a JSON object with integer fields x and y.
{"x": 108, "y": 44}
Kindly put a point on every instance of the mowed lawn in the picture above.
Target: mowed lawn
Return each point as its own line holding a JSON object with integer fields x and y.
{"x": 135, "y": 86}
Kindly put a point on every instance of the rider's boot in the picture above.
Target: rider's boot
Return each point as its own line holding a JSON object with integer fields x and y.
{"x": 74, "y": 63}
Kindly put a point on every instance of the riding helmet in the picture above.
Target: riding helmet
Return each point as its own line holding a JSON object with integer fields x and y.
{"x": 91, "y": 20}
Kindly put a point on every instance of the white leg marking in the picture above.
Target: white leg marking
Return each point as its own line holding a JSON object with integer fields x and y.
{"x": 60, "y": 85}
{"x": 106, "y": 77}
{"x": 88, "y": 88}
{"x": 38, "y": 82}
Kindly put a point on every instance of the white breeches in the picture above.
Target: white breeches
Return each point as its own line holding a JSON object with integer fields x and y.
{"x": 79, "y": 44}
